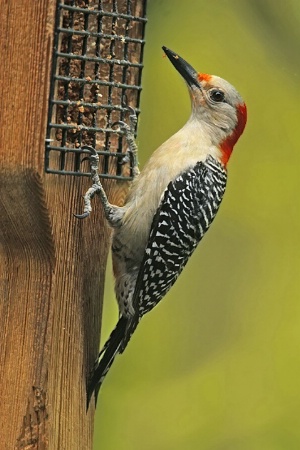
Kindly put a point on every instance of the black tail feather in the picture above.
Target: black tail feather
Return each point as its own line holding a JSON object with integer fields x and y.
{"x": 130, "y": 329}
{"x": 107, "y": 356}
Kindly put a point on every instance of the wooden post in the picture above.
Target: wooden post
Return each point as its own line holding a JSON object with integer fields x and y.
{"x": 52, "y": 265}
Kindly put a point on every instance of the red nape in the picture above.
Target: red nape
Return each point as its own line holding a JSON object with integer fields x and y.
{"x": 204, "y": 77}
{"x": 227, "y": 145}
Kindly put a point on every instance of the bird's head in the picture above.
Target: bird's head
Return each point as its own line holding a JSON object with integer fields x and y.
{"x": 215, "y": 103}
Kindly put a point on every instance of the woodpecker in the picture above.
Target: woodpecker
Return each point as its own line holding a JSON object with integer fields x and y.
{"x": 170, "y": 205}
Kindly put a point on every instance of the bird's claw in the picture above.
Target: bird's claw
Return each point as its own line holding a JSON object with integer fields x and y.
{"x": 133, "y": 121}
{"x": 121, "y": 123}
{"x": 126, "y": 158}
{"x": 90, "y": 148}
{"x": 129, "y": 130}
{"x": 81, "y": 216}
{"x": 93, "y": 158}
{"x": 132, "y": 118}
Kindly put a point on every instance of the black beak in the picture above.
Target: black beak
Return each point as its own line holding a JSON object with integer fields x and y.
{"x": 184, "y": 68}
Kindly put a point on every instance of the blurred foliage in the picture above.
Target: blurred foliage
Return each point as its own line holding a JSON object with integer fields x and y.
{"x": 216, "y": 365}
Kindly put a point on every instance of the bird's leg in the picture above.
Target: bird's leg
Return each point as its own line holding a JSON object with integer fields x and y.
{"x": 112, "y": 213}
{"x": 132, "y": 151}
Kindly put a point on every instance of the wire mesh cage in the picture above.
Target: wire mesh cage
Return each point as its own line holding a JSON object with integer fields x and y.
{"x": 96, "y": 75}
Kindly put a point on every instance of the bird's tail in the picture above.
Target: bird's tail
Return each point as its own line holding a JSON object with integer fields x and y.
{"x": 116, "y": 343}
{"x": 106, "y": 358}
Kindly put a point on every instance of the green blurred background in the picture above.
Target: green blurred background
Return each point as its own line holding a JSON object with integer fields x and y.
{"x": 216, "y": 365}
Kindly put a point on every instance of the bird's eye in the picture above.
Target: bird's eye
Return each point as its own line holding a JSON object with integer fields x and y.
{"x": 216, "y": 95}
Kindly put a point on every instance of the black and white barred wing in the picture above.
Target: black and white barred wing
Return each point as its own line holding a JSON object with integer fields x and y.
{"x": 188, "y": 207}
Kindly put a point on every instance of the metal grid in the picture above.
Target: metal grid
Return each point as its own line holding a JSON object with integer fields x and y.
{"x": 96, "y": 75}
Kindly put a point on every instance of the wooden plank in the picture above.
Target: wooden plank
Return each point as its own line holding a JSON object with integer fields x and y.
{"x": 52, "y": 265}
{"x": 49, "y": 316}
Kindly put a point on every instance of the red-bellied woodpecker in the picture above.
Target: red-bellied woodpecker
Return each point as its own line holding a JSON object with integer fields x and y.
{"x": 170, "y": 205}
